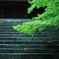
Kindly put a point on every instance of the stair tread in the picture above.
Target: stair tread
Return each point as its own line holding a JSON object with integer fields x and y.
{"x": 27, "y": 53}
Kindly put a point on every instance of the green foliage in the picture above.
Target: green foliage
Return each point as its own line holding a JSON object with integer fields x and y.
{"x": 49, "y": 19}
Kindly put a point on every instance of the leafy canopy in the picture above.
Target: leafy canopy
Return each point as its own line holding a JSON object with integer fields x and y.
{"x": 49, "y": 19}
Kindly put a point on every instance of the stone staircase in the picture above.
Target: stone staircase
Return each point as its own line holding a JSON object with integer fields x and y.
{"x": 17, "y": 45}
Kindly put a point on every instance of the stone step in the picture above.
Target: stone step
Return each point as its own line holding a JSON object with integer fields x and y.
{"x": 11, "y": 50}
{"x": 51, "y": 46}
{"x": 10, "y": 26}
{"x": 32, "y": 38}
{"x": 26, "y": 50}
{"x": 39, "y": 50}
{"x": 27, "y": 41}
{"x": 24, "y": 41}
{"x": 14, "y": 20}
{"x": 7, "y": 30}
{"x": 10, "y": 23}
{"x": 11, "y": 33}
{"x": 10, "y": 29}
{"x": 14, "y": 35}
{"x": 21, "y": 32}
{"x": 22, "y": 45}
{"x": 25, "y": 35}
{"x": 29, "y": 53}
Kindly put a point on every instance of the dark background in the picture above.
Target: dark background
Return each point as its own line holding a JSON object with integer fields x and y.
{"x": 17, "y": 9}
